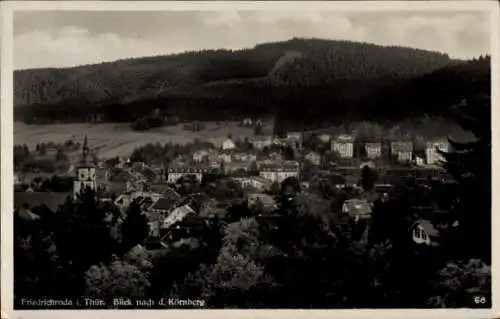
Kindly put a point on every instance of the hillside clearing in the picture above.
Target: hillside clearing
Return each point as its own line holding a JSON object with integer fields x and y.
{"x": 111, "y": 139}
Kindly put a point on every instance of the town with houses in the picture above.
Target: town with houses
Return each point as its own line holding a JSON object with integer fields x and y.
{"x": 258, "y": 169}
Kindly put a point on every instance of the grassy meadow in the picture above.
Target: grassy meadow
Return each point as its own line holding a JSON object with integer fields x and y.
{"x": 111, "y": 139}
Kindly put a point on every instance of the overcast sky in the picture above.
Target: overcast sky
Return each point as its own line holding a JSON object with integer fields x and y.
{"x": 60, "y": 39}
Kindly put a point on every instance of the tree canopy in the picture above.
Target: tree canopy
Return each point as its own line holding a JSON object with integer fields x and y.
{"x": 361, "y": 81}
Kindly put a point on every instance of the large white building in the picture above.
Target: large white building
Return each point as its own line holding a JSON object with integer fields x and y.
{"x": 278, "y": 172}
{"x": 86, "y": 172}
{"x": 431, "y": 153}
{"x": 402, "y": 150}
{"x": 176, "y": 172}
{"x": 373, "y": 150}
{"x": 344, "y": 145}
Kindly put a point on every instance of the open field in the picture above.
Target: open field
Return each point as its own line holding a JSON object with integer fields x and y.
{"x": 111, "y": 139}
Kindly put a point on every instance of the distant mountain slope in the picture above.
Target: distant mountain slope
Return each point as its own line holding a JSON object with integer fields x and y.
{"x": 336, "y": 79}
{"x": 326, "y": 59}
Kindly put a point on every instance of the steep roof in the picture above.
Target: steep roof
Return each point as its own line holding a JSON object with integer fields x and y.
{"x": 262, "y": 180}
{"x": 168, "y": 200}
{"x": 178, "y": 215}
{"x": 277, "y": 165}
{"x": 170, "y": 193}
{"x": 343, "y": 138}
{"x": 34, "y": 199}
{"x": 26, "y": 214}
{"x": 265, "y": 199}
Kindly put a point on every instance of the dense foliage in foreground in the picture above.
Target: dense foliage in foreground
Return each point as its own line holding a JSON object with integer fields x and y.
{"x": 304, "y": 254}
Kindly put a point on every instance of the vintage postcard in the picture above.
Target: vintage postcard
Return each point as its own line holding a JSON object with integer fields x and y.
{"x": 265, "y": 157}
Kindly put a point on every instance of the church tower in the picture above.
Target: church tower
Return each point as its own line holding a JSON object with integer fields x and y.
{"x": 85, "y": 170}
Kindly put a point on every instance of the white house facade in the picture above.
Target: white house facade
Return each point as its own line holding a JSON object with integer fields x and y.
{"x": 228, "y": 144}
{"x": 175, "y": 173}
{"x": 431, "y": 153}
{"x": 344, "y": 145}
{"x": 373, "y": 150}
{"x": 403, "y": 150}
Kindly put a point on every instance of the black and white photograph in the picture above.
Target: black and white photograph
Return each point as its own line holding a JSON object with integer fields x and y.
{"x": 278, "y": 156}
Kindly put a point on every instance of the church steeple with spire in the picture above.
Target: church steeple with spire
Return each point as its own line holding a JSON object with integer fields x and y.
{"x": 86, "y": 177}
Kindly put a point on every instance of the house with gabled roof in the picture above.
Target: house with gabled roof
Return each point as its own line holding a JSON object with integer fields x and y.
{"x": 424, "y": 232}
{"x": 164, "y": 205}
{"x": 343, "y": 145}
{"x": 267, "y": 201}
{"x": 205, "y": 155}
{"x": 228, "y": 144}
{"x": 325, "y": 137}
{"x": 175, "y": 172}
{"x": 431, "y": 150}
{"x": 26, "y": 214}
{"x": 278, "y": 171}
{"x": 244, "y": 157}
{"x": 177, "y": 215}
{"x": 373, "y": 150}
{"x": 257, "y": 182}
{"x": 403, "y": 150}
{"x": 261, "y": 141}
{"x": 357, "y": 209}
{"x": 313, "y": 157}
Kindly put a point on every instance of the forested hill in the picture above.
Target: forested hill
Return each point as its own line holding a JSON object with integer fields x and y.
{"x": 221, "y": 83}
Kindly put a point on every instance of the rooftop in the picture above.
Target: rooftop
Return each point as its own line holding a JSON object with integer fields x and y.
{"x": 373, "y": 144}
{"x": 428, "y": 227}
{"x": 177, "y": 215}
{"x": 402, "y": 146}
{"x": 265, "y": 199}
{"x": 26, "y": 214}
{"x": 358, "y": 207}
{"x": 277, "y": 165}
{"x": 34, "y": 199}
{"x": 164, "y": 203}
{"x": 344, "y": 138}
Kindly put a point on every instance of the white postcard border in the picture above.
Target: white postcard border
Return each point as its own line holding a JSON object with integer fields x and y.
{"x": 7, "y": 144}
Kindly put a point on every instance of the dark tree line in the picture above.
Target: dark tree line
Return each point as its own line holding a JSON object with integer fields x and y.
{"x": 470, "y": 165}
{"x": 161, "y": 154}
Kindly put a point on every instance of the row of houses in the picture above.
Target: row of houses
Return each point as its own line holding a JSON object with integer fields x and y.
{"x": 272, "y": 171}
{"x": 403, "y": 150}
{"x": 342, "y": 144}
